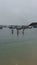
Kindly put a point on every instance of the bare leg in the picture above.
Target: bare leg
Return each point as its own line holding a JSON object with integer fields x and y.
{"x": 17, "y": 32}
{"x": 23, "y": 32}
{"x": 12, "y": 31}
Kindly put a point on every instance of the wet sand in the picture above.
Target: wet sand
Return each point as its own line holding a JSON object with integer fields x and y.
{"x": 18, "y": 54}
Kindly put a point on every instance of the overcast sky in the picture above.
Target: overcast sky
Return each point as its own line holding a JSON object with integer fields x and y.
{"x": 18, "y": 11}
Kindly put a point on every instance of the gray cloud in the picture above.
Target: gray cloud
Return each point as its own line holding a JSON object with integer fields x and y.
{"x": 18, "y": 11}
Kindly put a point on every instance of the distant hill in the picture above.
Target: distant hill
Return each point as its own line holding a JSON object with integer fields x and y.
{"x": 33, "y": 24}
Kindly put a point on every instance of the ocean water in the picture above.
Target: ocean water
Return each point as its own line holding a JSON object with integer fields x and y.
{"x": 18, "y": 50}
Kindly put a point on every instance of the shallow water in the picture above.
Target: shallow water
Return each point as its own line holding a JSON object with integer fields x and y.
{"x": 18, "y": 50}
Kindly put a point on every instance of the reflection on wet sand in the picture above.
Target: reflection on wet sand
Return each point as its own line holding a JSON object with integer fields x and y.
{"x": 21, "y": 50}
{"x": 25, "y": 54}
